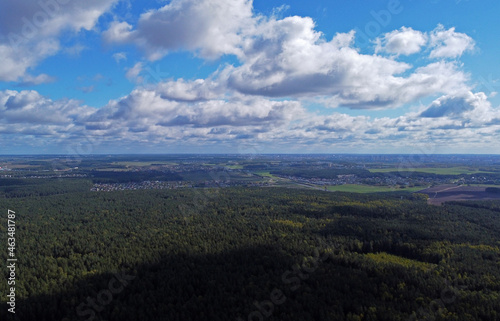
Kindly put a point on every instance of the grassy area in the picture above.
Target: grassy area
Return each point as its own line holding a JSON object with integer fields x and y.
{"x": 234, "y": 166}
{"x": 353, "y": 188}
{"x": 386, "y": 258}
{"x": 264, "y": 174}
{"x": 431, "y": 170}
{"x": 112, "y": 169}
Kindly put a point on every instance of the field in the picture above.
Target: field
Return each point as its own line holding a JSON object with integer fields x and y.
{"x": 443, "y": 193}
{"x": 264, "y": 174}
{"x": 352, "y": 188}
{"x": 112, "y": 169}
{"x": 431, "y": 170}
{"x": 234, "y": 166}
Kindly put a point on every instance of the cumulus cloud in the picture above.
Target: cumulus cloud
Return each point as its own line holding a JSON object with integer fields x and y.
{"x": 451, "y": 106}
{"x": 17, "y": 60}
{"x": 404, "y": 41}
{"x": 472, "y": 109}
{"x": 148, "y": 117}
{"x": 28, "y": 107}
{"x": 190, "y": 91}
{"x": 153, "y": 108}
{"x": 442, "y": 43}
{"x": 288, "y": 57}
{"x": 211, "y": 27}
{"x": 257, "y": 119}
{"x": 449, "y": 43}
{"x": 31, "y": 30}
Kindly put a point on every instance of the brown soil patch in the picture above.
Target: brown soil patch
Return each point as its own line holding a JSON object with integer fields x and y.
{"x": 444, "y": 193}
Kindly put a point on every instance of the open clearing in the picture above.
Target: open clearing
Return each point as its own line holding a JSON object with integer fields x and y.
{"x": 234, "y": 166}
{"x": 264, "y": 174}
{"x": 386, "y": 258}
{"x": 444, "y": 193}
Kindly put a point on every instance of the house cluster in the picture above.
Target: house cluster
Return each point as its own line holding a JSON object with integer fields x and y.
{"x": 375, "y": 181}
{"x": 340, "y": 180}
{"x": 102, "y": 187}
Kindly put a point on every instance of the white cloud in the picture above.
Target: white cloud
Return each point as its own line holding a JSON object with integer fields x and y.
{"x": 30, "y": 30}
{"x": 17, "y": 60}
{"x": 146, "y": 117}
{"x": 289, "y": 58}
{"x": 451, "y": 106}
{"x": 404, "y": 41}
{"x": 29, "y": 107}
{"x": 134, "y": 72}
{"x": 448, "y": 43}
{"x": 151, "y": 108}
{"x": 211, "y": 27}
{"x": 472, "y": 109}
{"x": 197, "y": 90}
{"x": 118, "y": 32}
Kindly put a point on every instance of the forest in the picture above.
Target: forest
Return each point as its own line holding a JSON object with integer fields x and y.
{"x": 247, "y": 253}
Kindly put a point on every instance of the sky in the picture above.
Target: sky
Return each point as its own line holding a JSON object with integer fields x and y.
{"x": 249, "y": 77}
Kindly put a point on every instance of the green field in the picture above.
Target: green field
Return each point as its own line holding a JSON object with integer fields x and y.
{"x": 430, "y": 170}
{"x": 353, "y": 188}
{"x": 112, "y": 169}
{"x": 264, "y": 174}
{"x": 234, "y": 166}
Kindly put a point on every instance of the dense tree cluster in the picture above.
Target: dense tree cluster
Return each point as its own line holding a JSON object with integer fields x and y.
{"x": 20, "y": 188}
{"x": 251, "y": 254}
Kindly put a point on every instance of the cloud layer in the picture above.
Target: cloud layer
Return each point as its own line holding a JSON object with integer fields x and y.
{"x": 281, "y": 67}
{"x": 289, "y": 58}
{"x": 146, "y": 116}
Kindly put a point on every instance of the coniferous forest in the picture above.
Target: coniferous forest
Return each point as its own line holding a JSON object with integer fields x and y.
{"x": 245, "y": 252}
{"x": 253, "y": 254}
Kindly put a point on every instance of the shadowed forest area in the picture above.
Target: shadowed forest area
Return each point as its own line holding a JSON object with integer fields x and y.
{"x": 251, "y": 254}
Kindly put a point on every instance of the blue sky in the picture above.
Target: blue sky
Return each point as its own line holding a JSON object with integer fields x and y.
{"x": 236, "y": 76}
